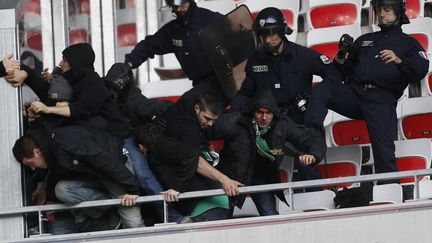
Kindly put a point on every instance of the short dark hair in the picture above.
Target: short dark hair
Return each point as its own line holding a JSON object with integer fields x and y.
{"x": 148, "y": 134}
{"x": 208, "y": 101}
{"x": 23, "y": 148}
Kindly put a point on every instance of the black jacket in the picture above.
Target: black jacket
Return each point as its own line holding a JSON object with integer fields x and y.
{"x": 183, "y": 125}
{"x": 365, "y": 66}
{"x": 239, "y": 157}
{"x": 138, "y": 108}
{"x": 287, "y": 75}
{"x": 75, "y": 152}
{"x": 175, "y": 165}
{"x": 183, "y": 40}
{"x": 91, "y": 95}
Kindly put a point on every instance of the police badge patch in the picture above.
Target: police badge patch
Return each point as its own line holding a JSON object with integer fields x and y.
{"x": 325, "y": 59}
{"x": 178, "y": 43}
{"x": 260, "y": 69}
{"x": 424, "y": 55}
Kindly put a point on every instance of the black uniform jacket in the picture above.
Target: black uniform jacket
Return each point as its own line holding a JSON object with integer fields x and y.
{"x": 366, "y": 66}
{"x": 182, "y": 39}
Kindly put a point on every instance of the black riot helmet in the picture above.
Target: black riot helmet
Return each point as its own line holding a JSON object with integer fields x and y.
{"x": 175, "y": 2}
{"x": 271, "y": 21}
{"x": 120, "y": 78}
{"x": 399, "y": 7}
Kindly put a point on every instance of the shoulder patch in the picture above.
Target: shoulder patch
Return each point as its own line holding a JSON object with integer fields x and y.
{"x": 260, "y": 68}
{"x": 325, "y": 59}
{"x": 366, "y": 43}
{"x": 178, "y": 43}
{"x": 424, "y": 55}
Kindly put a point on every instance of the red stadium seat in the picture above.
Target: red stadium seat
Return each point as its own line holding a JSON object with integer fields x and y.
{"x": 33, "y": 6}
{"x": 416, "y": 118}
{"x": 414, "y": 154}
{"x": 84, "y": 6}
{"x": 350, "y": 132}
{"x": 341, "y": 161}
{"x": 340, "y": 169}
{"x": 414, "y": 8}
{"x": 333, "y": 15}
{"x": 328, "y": 49}
{"x": 417, "y": 126}
{"x": 326, "y": 40}
{"x": 78, "y": 36}
{"x": 126, "y": 35}
{"x": 34, "y": 40}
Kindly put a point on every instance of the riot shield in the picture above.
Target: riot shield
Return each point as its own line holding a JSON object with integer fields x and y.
{"x": 229, "y": 42}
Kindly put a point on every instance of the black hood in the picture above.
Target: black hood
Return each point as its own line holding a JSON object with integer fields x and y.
{"x": 263, "y": 99}
{"x": 81, "y": 58}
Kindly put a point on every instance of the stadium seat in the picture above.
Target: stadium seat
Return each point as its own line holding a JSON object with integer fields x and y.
{"x": 414, "y": 154}
{"x": 289, "y": 8}
{"x": 326, "y": 40}
{"x": 126, "y": 27}
{"x": 33, "y": 6}
{"x": 167, "y": 89}
{"x": 425, "y": 189}
{"x": 415, "y": 120}
{"x": 309, "y": 201}
{"x": 426, "y": 85}
{"x": 386, "y": 194}
{"x": 344, "y": 131}
{"x": 84, "y": 6}
{"x": 78, "y": 36}
{"x": 415, "y": 8}
{"x": 420, "y": 29}
{"x": 340, "y": 162}
{"x": 34, "y": 40}
{"x": 221, "y": 6}
{"x": 286, "y": 169}
{"x": 332, "y": 13}
{"x": 79, "y": 26}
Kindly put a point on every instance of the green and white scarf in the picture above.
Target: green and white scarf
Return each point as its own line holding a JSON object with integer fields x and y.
{"x": 261, "y": 143}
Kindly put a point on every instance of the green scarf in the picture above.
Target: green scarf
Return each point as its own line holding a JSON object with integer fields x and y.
{"x": 263, "y": 148}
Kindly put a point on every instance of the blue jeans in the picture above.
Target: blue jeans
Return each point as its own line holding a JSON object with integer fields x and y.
{"x": 265, "y": 203}
{"x": 72, "y": 192}
{"x": 147, "y": 180}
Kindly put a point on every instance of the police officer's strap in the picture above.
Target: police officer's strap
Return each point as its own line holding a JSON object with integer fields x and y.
{"x": 263, "y": 148}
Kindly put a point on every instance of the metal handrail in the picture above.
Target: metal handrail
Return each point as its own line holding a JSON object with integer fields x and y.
{"x": 290, "y": 186}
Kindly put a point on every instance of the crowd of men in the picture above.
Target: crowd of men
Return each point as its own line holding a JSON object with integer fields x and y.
{"x": 95, "y": 138}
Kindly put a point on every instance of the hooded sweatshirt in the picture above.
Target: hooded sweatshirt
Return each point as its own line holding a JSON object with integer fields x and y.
{"x": 91, "y": 96}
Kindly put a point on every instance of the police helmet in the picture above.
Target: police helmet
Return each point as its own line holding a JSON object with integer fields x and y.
{"x": 175, "y": 2}
{"x": 120, "y": 77}
{"x": 399, "y": 6}
{"x": 271, "y": 21}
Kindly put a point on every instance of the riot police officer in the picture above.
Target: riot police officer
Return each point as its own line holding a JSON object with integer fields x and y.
{"x": 281, "y": 66}
{"x": 286, "y": 69}
{"x": 181, "y": 37}
{"x": 377, "y": 69}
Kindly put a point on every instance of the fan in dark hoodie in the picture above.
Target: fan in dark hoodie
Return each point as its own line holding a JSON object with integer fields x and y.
{"x": 91, "y": 103}
{"x": 255, "y": 144}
